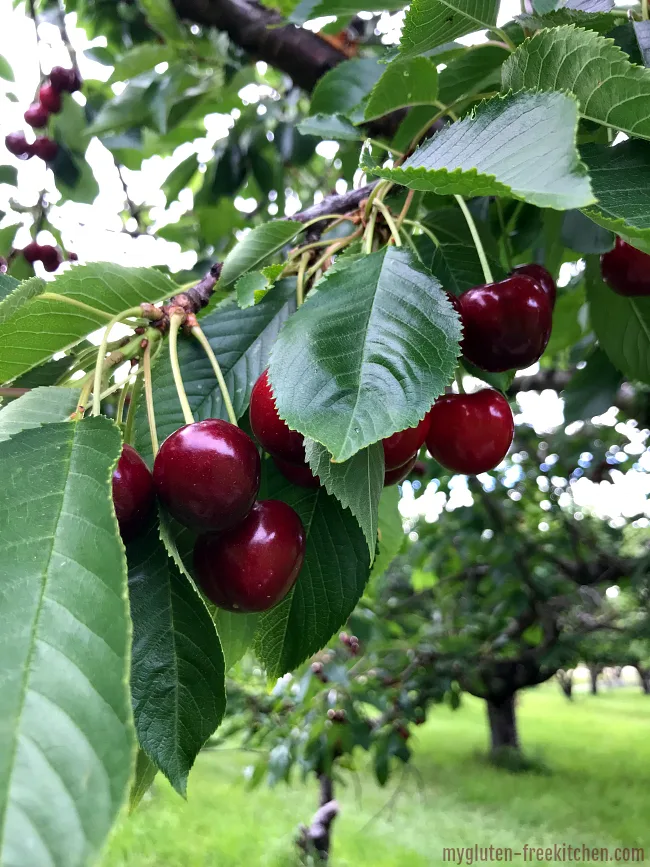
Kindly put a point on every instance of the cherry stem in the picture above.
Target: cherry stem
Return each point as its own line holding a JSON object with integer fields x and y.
{"x": 119, "y": 411}
{"x": 83, "y": 400}
{"x": 175, "y": 323}
{"x": 101, "y": 355}
{"x": 198, "y": 332}
{"x": 300, "y": 284}
{"x": 370, "y": 232}
{"x": 148, "y": 396}
{"x": 422, "y": 228}
{"x": 389, "y": 221}
{"x": 471, "y": 225}
{"x": 459, "y": 381}
{"x": 405, "y": 208}
{"x": 130, "y": 416}
{"x": 334, "y": 248}
{"x": 505, "y": 236}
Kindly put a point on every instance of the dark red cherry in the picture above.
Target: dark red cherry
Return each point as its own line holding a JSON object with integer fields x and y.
{"x": 273, "y": 434}
{"x": 207, "y": 475}
{"x": 253, "y": 566}
{"x": 32, "y": 252}
{"x": 541, "y": 276}
{"x": 50, "y": 257}
{"x": 470, "y": 433}
{"x": 50, "y": 98}
{"x": 17, "y": 144}
{"x": 298, "y": 474}
{"x": 67, "y": 80}
{"x": 37, "y": 115}
{"x": 45, "y": 148}
{"x": 397, "y": 475}
{"x": 506, "y": 325}
{"x": 399, "y": 447}
{"x": 133, "y": 492}
{"x": 626, "y": 270}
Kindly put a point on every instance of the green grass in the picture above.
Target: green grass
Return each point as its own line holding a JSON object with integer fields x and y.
{"x": 596, "y": 791}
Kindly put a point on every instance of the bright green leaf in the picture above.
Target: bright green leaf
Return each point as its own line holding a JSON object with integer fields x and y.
{"x": 567, "y": 328}
{"x": 252, "y": 287}
{"x": 430, "y": 23}
{"x": 37, "y": 407}
{"x": 161, "y": 16}
{"x": 403, "y": 84}
{"x": 477, "y": 69}
{"x": 391, "y": 536}
{"x": 66, "y": 742}
{"x": 236, "y": 633}
{"x": 343, "y": 89}
{"x": 259, "y": 244}
{"x": 367, "y": 355}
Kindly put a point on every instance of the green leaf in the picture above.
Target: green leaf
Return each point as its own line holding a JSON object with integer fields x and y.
{"x": 259, "y": 244}
{"x": 330, "y": 583}
{"x": 33, "y": 328}
{"x": 405, "y": 83}
{"x": 7, "y": 285}
{"x": 521, "y": 145}
{"x": 342, "y": 89}
{"x": 70, "y": 127}
{"x": 391, "y": 536}
{"x": 367, "y": 355}
{"x": 357, "y": 484}
{"x": 567, "y": 329}
{"x": 642, "y": 33}
{"x": 236, "y": 633}
{"x": 66, "y": 740}
{"x": 593, "y": 389}
{"x": 140, "y": 58}
{"x": 37, "y": 407}
{"x": 74, "y": 177}
{"x": 241, "y": 340}
{"x": 331, "y": 126}
{"x": 9, "y": 175}
{"x": 477, "y": 69}
{"x": 145, "y": 773}
{"x": 622, "y": 325}
{"x": 601, "y": 22}
{"x": 500, "y": 381}
{"x": 430, "y": 23}
{"x": 252, "y": 287}
{"x": 180, "y": 177}
{"x": 309, "y": 9}
{"x": 580, "y": 234}
{"x": 6, "y": 71}
{"x": 620, "y": 177}
{"x": 161, "y": 16}
{"x": 609, "y": 89}
{"x": 177, "y": 671}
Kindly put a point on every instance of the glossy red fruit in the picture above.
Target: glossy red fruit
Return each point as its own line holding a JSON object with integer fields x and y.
{"x": 50, "y": 98}
{"x": 626, "y": 270}
{"x": 298, "y": 474}
{"x": 32, "y": 252}
{"x": 470, "y": 433}
{"x": 50, "y": 257}
{"x": 133, "y": 492}
{"x": 399, "y": 447}
{"x": 273, "y": 434}
{"x": 37, "y": 115}
{"x": 397, "y": 475}
{"x": 254, "y": 565}
{"x": 45, "y": 148}
{"x": 506, "y": 325}
{"x": 17, "y": 144}
{"x": 67, "y": 80}
{"x": 541, "y": 276}
{"x": 207, "y": 475}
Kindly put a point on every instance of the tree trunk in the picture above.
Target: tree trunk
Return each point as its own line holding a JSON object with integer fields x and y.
{"x": 503, "y": 722}
{"x": 594, "y": 671}
{"x": 565, "y": 679}
{"x": 644, "y": 675}
{"x": 316, "y": 840}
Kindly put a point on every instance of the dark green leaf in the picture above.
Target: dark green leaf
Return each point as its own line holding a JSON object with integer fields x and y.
{"x": 521, "y": 145}
{"x": 579, "y": 233}
{"x": 66, "y": 742}
{"x": 342, "y": 89}
{"x": 70, "y": 129}
{"x": 500, "y": 381}
{"x": 330, "y": 583}
{"x": 180, "y": 177}
{"x": 7, "y": 285}
{"x": 403, "y": 84}
{"x": 357, "y": 484}
{"x": 307, "y": 9}
{"x": 177, "y": 671}
{"x": 366, "y": 355}
{"x": 162, "y": 17}
{"x": 593, "y": 389}
{"x": 567, "y": 328}
{"x": 9, "y": 175}
{"x": 601, "y": 22}
{"x": 258, "y": 245}
{"x": 476, "y": 70}
{"x": 37, "y": 407}
{"x": 608, "y": 87}
{"x": 430, "y": 23}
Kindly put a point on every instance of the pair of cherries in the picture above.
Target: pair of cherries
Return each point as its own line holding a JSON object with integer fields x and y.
{"x": 467, "y": 433}
{"x": 47, "y": 254}
{"x": 207, "y": 475}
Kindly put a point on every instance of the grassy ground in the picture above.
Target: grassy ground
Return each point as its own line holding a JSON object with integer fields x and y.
{"x": 596, "y": 791}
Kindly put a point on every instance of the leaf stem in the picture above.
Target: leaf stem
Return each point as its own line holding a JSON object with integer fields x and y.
{"x": 385, "y": 147}
{"x": 300, "y": 283}
{"x": 148, "y": 396}
{"x": 459, "y": 381}
{"x": 101, "y": 355}
{"x": 504, "y": 36}
{"x": 198, "y": 332}
{"x": 175, "y": 323}
{"x": 405, "y": 208}
{"x": 335, "y": 247}
{"x": 389, "y": 221}
{"x": 54, "y": 296}
{"x": 471, "y": 225}
{"x": 119, "y": 412}
{"x": 373, "y": 195}
{"x": 83, "y": 400}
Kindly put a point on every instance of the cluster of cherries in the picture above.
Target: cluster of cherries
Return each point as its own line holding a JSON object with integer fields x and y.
{"x": 207, "y": 475}
{"x": 37, "y": 116}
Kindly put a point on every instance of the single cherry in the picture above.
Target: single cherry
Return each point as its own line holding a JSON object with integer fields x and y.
{"x": 207, "y": 475}
{"x": 297, "y": 474}
{"x": 67, "y": 80}
{"x": 626, "y": 270}
{"x": 17, "y": 144}
{"x": 254, "y": 565}
{"x": 37, "y": 115}
{"x": 400, "y": 446}
{"x": 541, "y": 276}
{"x": 396, "y": 476}
{"x": 470, "y": 433}
{"x": 50, "y": 98}
{"x": 50, "y": 257}
{"x": 133, "y": 492}
{"x": 507, "y": 324}
{"x": 273, "y": 433}
{"x": 45, "y": 148}
{"x": 32, "y": 252}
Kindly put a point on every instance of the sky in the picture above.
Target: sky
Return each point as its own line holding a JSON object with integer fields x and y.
{"x": 95, "y": 233}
